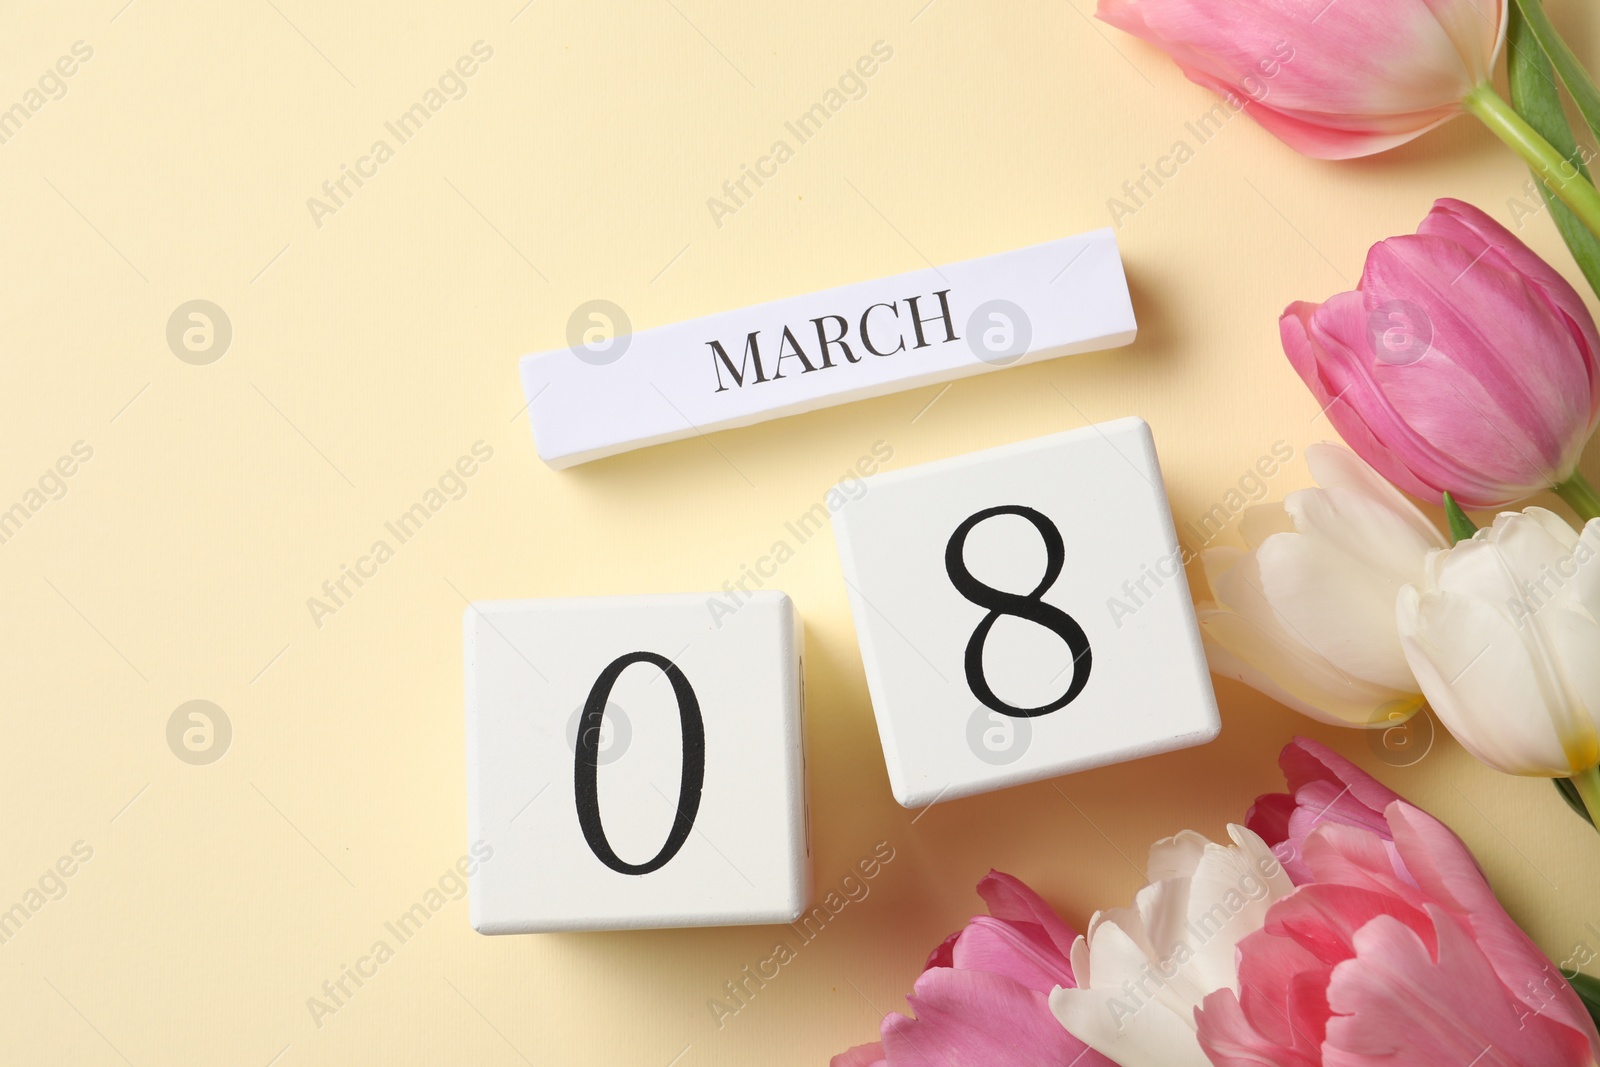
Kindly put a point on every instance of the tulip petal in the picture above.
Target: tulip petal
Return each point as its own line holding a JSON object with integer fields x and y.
{"x": 1336, "y": 605}
{"x": 1323, "y": 919}
{"x": 1307, "y": 764}
{"x": 1177, "y": 856}
{"x": 1220, "y": 628}
{"x": 1583, "y": 590}
{"x": 1446, "y": 872}
{"x": 1530, "y": 407}
{"x": 1335, "y": 581}
{"x": 1344, "y": 855}
{"x": 943, "y": 953}
{"x": 1127, "y": 1030}
{"x": 1278, "y": 1016}
{"x": 1532, "y": 547}
{"x": 1229, "y": 895}
{"x": 1319, "y": 803}
{"x": 1370, "y": 77}
{"x": 1474, "y": 32}
{"x": 1396, "y": 1004}
{"x": 1121, "y": 954}
{"x": 1467, "y": 226}
{"x": 861, "y": 1056}
{"x": 1011, "y": 900}
{"x": 1325, "y": 787}
{"x": 1283, "y": 992}
{"x": 983, "y": 996}
{"x": 1250, "y": 646}
{"x": 1009, "y": 949}
{"x": 1269, "y": 817}
{"x": 1262, "y": 642}
{"x": 1323, "y": 136}
{"x": 1431, "y": 410}
{"x": 1337, "y": 392}
{"x": 1229, "y": 1040}
{"x": 1554, "y": 526}
{"x": 1573, "y": 642}
{"x": 974, "y": 1019}
{"x": 1382, "y": 533}
{"x": 1335, "y": 467}
{"x": 1478, "y": 672}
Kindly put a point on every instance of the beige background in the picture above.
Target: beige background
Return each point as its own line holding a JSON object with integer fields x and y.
{"x": 371, "y": 351}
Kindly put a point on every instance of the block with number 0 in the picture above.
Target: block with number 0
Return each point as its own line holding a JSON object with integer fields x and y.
{"x": 1023, "y": 613}
{"x": 636, "y": 762}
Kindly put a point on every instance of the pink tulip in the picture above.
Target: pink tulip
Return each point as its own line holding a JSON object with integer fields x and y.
{"x": 1462, "y": 363}
{"x": 1400, "y": 959}
{"x": 983, "y": 999}
{"x": 1324, "y": 787}
{"x": 1332, "y": 80}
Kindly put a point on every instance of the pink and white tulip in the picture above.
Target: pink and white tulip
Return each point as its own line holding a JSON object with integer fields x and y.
{"x": 1332, "y": 80}
{"x": 1462, "y": 363}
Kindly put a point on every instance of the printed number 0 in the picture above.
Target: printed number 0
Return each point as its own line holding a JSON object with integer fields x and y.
{"x": 1029, "y": 606}
{"x": 586, "y": 772}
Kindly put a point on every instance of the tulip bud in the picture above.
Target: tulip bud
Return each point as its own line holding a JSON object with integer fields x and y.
{"x": 1463, "y": 362}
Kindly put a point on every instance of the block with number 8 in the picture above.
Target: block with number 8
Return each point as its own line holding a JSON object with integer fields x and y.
{"x": 635, "y": 762}
{"x": 1023, "y": 613}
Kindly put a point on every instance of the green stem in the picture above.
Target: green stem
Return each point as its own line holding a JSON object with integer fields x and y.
{"x": 1580, "y": 496}
{"x": 1567, "y": 65}
{"x": 1588, "y": 784}
{"x": 1556, "y": 171}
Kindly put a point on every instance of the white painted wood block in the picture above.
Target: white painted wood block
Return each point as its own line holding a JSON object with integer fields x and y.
{"x": 609, "y": 391}
{"x": 1023, "y": 613}
{"x": 635, "y": 762}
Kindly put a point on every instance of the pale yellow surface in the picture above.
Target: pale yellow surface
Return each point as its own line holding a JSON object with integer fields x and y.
{"x": 371, "y": 351}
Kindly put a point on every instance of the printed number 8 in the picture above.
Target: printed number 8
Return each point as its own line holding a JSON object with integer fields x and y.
{"x": 1029, "y": 606}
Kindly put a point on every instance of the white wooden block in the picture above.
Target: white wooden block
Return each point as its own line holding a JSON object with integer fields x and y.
{"x": 610, "y": 391}
{"x": 633, "y": 762}
{"x": 1023, "y": 613}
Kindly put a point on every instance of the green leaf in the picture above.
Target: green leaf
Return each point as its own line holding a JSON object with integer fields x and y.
{"x": 1569, "y": 793}
{"x": 1461, "y": 527}
{"x": 1573, "y": 76}
{"x": 1537, "y": 99}
{"x": 1588, "y": 990}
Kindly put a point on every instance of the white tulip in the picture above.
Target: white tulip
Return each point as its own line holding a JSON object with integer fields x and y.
{"x": 1142, "y": 971}
{"x": 1307, "y": 615}
{"x": 1503, "y": 634}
